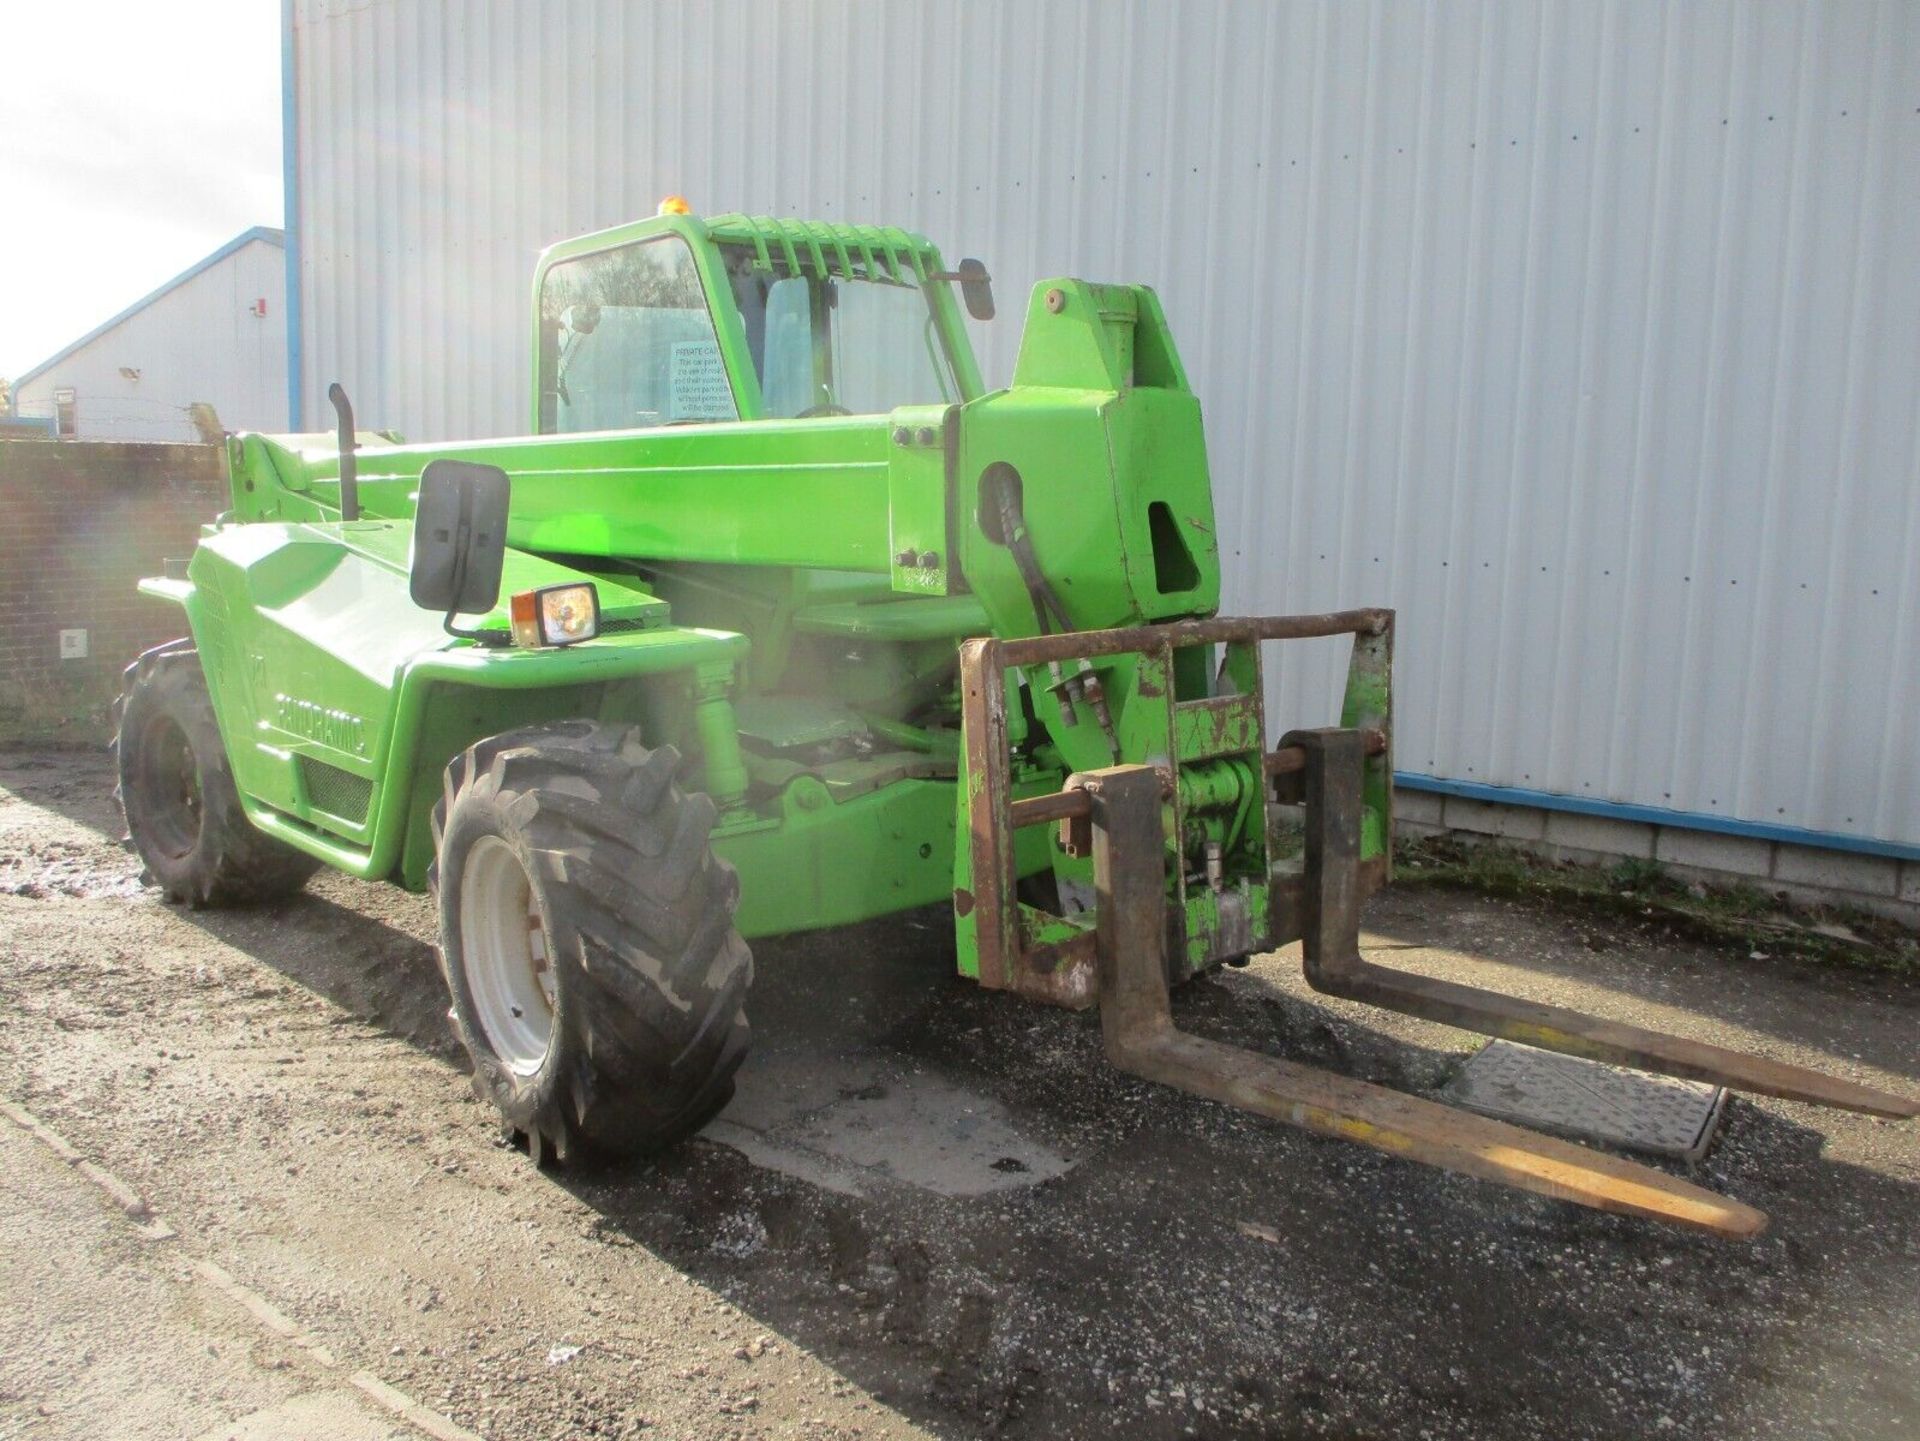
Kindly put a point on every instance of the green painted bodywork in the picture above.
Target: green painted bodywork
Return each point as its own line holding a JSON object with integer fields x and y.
{"x": 782, "y": 600}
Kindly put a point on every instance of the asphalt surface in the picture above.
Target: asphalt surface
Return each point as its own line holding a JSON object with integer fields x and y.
{"x": 932, "y": 1211}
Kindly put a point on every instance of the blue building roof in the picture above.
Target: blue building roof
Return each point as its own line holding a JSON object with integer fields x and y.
{"x": 246, "y": 237}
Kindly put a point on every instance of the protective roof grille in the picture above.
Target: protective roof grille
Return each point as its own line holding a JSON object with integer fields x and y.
{"x": 845, "y": 251}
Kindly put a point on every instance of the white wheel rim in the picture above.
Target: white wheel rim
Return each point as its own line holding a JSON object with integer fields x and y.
{"x": 503, "y": 951}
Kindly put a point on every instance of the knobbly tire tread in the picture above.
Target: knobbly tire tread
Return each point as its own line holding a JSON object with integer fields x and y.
{"x": 627, "y": 884}
{"x": 233, "y": 863}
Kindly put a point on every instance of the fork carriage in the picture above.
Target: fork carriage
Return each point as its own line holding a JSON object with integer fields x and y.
{"x": 1138, "y": 940}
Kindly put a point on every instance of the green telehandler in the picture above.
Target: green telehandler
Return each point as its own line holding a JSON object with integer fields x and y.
{"x": 781, "y": 620}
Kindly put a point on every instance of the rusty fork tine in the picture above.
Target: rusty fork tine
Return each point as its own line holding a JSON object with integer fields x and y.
{"x": 1137, "y": 1024}
{"x": 1331, "y": 944}
{"x": 1418, "y": 1130}
{"x": 1556, "y": 1028}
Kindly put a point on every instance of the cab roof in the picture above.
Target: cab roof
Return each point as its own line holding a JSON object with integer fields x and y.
{"x": 829, "y": 248}
{"x": 781, "y": 244}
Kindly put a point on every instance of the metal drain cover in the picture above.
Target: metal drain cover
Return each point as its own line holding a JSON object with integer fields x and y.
{"x": 1589, "y": 1099}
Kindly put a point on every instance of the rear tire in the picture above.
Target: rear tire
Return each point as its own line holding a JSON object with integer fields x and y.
{"x": 587, "y": 938}
{"x": 176, "y": 790}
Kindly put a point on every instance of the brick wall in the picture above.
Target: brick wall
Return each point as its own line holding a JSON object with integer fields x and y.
{"x": 80, "y": 523}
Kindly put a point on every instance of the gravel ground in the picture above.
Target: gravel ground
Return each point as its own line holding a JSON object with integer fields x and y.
{"x": 280, "y": 1086}
{"x": 109, "y": 1335}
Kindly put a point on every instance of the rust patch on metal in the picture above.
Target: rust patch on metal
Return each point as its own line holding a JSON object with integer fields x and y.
{"x": 1090, "y": 644}
{"x": 1044, "y": 810}
{"x": 1290, "y": 759}
{"x": 962, "y": 901}
{"x": 1286, "y": 900}
{"x": 989, "y": 823}
{"x": 1063, "y": 973}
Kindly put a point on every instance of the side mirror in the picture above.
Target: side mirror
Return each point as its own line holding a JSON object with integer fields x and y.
{"x": 459, "y": 537}
{"x": 976, "y": 289}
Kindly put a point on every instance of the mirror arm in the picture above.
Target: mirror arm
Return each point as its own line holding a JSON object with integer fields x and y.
{"x": 463, "y": 538}
{"x": 976, "y": 287}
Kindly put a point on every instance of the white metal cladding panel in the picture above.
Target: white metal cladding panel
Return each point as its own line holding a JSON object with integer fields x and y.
{"x": 199, "y": 341}
{"x": 1585, "y": 334}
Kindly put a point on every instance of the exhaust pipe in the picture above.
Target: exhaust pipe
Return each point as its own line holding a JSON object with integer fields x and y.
{"x": 349, "y": 463}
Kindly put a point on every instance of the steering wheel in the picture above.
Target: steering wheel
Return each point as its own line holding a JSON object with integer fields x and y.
{"x": 825, "y": 407}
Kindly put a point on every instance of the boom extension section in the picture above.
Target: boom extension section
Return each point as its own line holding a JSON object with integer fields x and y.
{"x": 1117, "y": 815}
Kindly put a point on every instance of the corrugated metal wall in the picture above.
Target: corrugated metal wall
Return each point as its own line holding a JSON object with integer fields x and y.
{"x": 1586, "y": 334}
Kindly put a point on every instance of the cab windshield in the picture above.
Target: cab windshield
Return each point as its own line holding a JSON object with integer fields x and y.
{"x": 838, "y": 345}
{"x": 627, "y": 341}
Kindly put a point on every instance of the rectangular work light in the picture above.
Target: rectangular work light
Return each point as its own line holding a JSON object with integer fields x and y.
{"x": 555, "y": 615}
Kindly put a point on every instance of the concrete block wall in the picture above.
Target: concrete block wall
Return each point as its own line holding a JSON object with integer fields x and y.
{"x": 1808, "y": 874}
{"x": 80, "y": 523}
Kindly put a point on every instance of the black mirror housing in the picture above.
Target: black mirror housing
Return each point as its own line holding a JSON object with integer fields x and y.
{"x": 976, "y": 289}
{"x": 459, "y": 537}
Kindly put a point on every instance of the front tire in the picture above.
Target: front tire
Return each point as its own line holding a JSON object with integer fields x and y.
{"x": 176, "y": 790}
{"x": 587, "y": 938}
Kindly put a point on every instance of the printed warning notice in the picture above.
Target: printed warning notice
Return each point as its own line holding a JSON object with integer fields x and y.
{"x": 698, "y": 383}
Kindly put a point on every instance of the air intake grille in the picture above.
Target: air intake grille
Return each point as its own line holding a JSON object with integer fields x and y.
{"x": 337, "y": 792}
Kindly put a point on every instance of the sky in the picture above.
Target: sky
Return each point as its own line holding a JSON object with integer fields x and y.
{"x": 136, "y": 136}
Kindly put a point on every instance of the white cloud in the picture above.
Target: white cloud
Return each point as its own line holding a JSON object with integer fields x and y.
{"x": 134, "y": 139}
